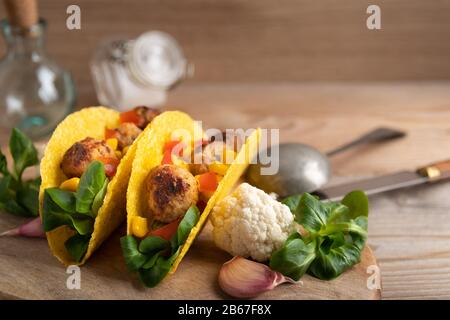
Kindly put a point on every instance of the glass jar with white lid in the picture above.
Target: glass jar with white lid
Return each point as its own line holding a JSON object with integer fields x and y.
{"x": 139, "y": 71}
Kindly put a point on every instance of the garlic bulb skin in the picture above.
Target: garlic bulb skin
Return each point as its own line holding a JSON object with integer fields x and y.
{"x": 243, "y": 278}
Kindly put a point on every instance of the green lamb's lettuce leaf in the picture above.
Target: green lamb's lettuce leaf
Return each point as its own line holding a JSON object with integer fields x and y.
{"x": 314, "y": 215}
{"x": 337, "y": 233}
{"x": 77, "y": 246}
{"x": 19, "y": 197}
{"x": 3, "y": 164}
{"x": 52, "y": 216}
{"x": 152, "y": 260}
{"x": 83, "y": 225}
{"x": 23, "y": 152}
{"x": 63, "y": 199}
{"x": 357, "y": 204}
{"x": 5, "y": 191}
{"x": 153, "y": 275}
{"x": 153, "y": 244}
{"x": 8, "y": 198}
{"x": 98, "y": 199}
{"x": 189, "y": 220}
{"x": 154, "y": 256}
{"x": 335, "y": 254}
{"x": 11, "y": 206}
{"x": 293, "y": 203}
{"x": 91, "y": 183}
{"x": 294, "y": 258}
{"x": 28, "y": 196}
{"x": 58, "y": 211}
{"x": 133, "y": 258}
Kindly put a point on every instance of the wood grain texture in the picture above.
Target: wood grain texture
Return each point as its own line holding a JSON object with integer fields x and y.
{"x": 266, "y": 40}
{"x": 409, "y": 231}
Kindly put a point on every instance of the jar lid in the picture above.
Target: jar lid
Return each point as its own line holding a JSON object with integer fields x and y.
{"x": 157, "y": 58}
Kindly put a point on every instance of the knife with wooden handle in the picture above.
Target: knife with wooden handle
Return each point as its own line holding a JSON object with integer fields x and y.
{"x": 431, "y": 173}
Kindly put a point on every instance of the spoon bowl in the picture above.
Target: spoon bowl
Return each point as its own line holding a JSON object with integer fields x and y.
{"x": 301, "y": 168}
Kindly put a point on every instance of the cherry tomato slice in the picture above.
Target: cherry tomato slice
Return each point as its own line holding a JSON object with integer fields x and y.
{"x": 167, "y": 231}
{"x": 110, "y": 165}
{"x": 207, "y": 182}
{"x": 130, "y": 116}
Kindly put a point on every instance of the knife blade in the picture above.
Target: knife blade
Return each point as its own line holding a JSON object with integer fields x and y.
{"x": 398, "y": 180}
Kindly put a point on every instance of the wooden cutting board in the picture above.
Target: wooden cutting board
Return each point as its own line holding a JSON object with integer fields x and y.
{"x": 28, "y": 270}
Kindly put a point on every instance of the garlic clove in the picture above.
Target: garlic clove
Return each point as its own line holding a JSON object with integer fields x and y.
{"x": 32, "y": 228}
{"x": 243, "y": 278}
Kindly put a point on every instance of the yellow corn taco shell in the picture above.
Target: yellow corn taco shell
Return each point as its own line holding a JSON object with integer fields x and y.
{"x": 149, "y": 154}
{"x": 77, "y": 126}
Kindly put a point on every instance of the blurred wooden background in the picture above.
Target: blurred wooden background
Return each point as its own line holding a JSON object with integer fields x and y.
{"x": 266, "y": 40}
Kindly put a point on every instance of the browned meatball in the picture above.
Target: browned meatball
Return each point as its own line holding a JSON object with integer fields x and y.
{"x": 198, "y": 168}
{"x": 126, "y": 133}
{"x": 77, "y": 158}
{"x": 199, "y": 165}
{"x": 146, "y": 115}
{"x": 171, "y": 191}
{"x": 200, "y": 160}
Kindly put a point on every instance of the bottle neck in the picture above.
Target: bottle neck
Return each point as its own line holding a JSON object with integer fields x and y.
{"x": 24, "y": 43}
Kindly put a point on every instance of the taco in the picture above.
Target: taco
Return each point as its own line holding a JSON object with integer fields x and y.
{"x": 85, "y": 172}
{"x": 177, "y": 176}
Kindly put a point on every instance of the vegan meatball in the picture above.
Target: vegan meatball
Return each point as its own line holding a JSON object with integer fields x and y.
{"x": 199, "y": 163}
{"x": 198, "y": 168}
{"x": 78, "y": 157}
{"x": 126, "y": 133}
{"x": 171, "y": 191}
{"x": 146, "y": 115}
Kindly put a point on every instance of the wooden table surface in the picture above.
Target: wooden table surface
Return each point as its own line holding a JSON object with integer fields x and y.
{"x": 409, "y": 230}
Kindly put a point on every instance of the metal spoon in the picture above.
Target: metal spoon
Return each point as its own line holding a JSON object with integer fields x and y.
{"x": 303, "y": 168}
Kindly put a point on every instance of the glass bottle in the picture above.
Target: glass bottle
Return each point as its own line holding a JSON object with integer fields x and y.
{"x": 35, "y": 93}
{"x": 131, "y": 72}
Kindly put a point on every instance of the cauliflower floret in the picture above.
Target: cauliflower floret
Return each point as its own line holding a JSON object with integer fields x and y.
{"x": 250, "y": 223}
